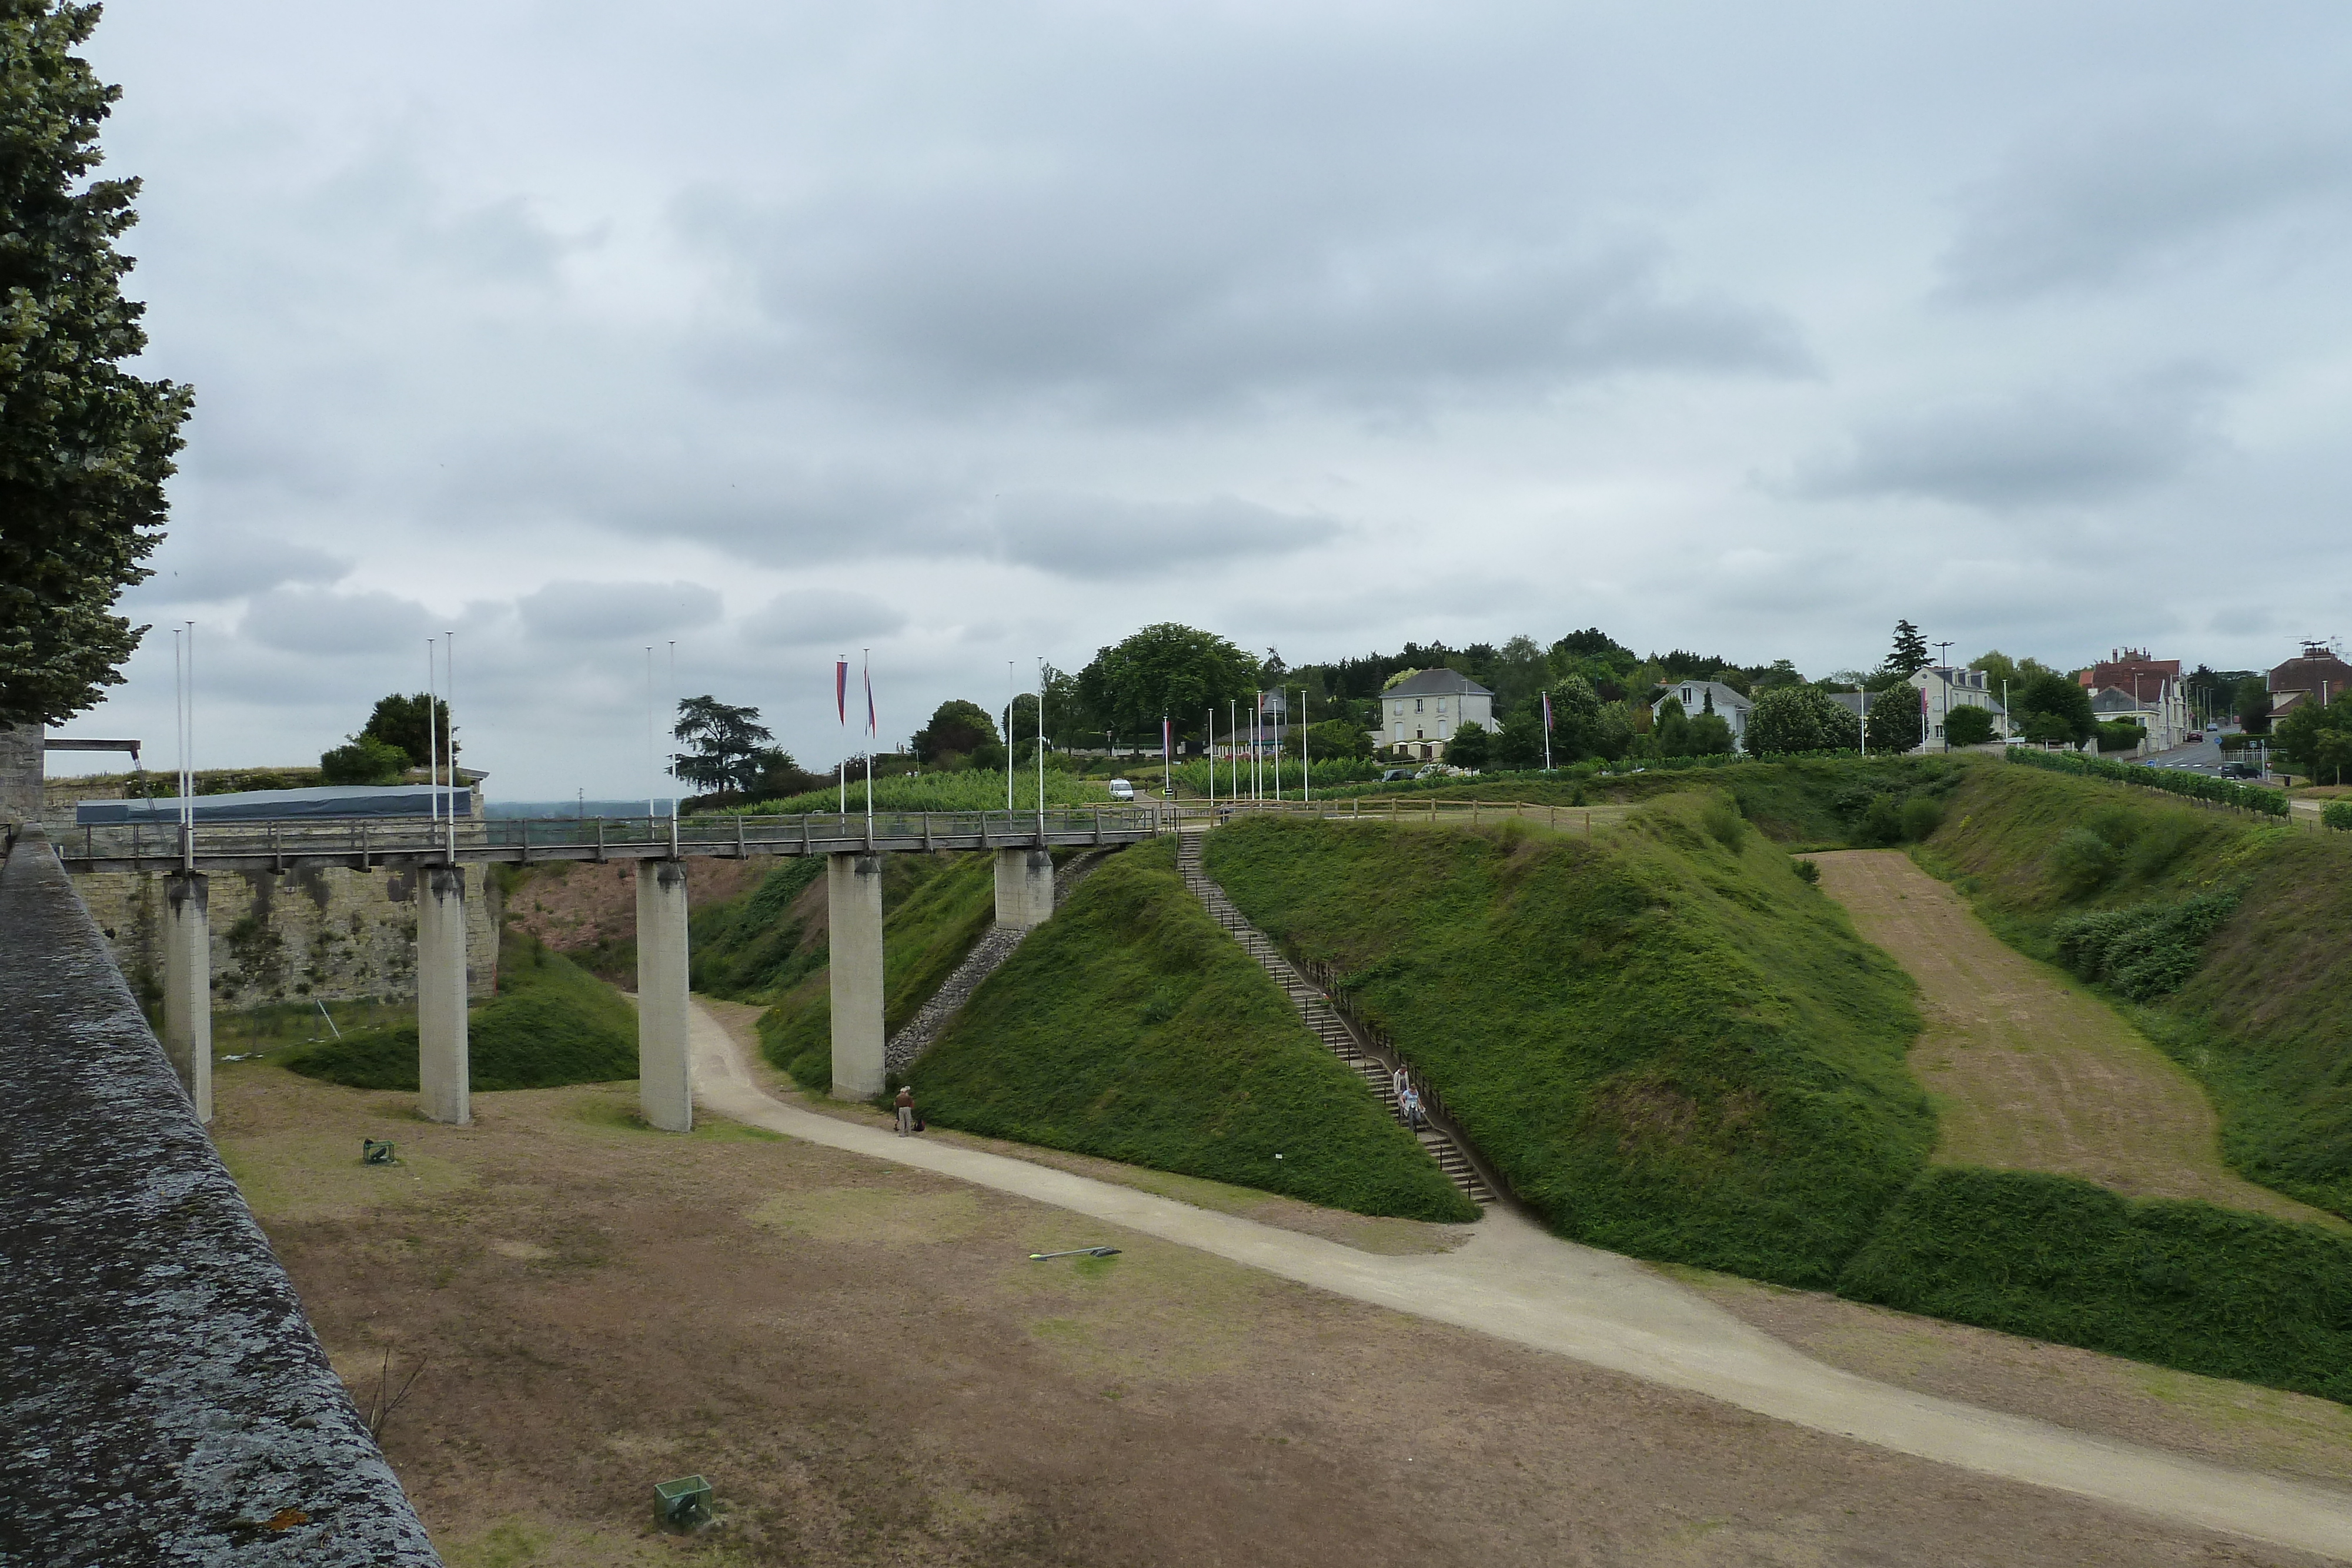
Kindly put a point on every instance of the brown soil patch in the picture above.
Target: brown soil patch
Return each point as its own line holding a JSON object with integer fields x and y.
{"x": 575, "y": 904}
{"x": 2235, "y": 1424}
{"x": 2028, "y": 1071}
{"x": 861, "y": 1360}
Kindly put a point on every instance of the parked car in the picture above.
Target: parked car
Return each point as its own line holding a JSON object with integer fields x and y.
{"x": 1391, "y": 774}
{"x": 2239, "y": 770}
{"x": 1120, "y": 790}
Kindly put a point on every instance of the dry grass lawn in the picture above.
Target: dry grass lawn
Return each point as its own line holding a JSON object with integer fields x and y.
{"x": 860, "y": 1358}
{"x": 2029, "y": 1072}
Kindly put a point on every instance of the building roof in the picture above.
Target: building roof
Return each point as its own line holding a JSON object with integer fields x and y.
{"x": 1725, "y": 697}
{"x": 1437, "y": 682}
{"x": 2317, "y": 664}
{"x": 2116, "y": 699}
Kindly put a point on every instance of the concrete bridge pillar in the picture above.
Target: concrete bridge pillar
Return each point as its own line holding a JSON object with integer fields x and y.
{"x": 188, "y": 986}
{"x": 442, "y": 1064}
{"x": 1025, "y": 887}
{"x": 853, "y": 909}
{"x": 664, "y": 1060}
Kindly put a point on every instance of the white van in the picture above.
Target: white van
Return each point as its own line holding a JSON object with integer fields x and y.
{"x": 1120, "y": 790}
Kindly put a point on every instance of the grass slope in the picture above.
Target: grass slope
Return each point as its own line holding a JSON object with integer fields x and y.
{"x": 2181, "y": 1284}
{"x": 756, "y": 944}
{"x": 2262, "y": 1013}
{"x": 1131, "y": 1028}
{"x": 1666, "y": 1041}
{"x": 551, "y": 1023}
{"x": 934, "y": 907}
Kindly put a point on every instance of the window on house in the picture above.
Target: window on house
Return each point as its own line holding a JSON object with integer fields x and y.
{"x": 1416, "y": 705}
{"x": 1440, "y": 729}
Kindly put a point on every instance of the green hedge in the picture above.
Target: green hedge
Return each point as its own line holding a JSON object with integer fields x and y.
{"x": 2195, "y": 786}
{"x": 2337, "y": 814}
{"x": 2185, "y": 1285}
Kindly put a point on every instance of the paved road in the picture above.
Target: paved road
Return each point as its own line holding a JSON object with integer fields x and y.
{"x": 1518, "y": 1282}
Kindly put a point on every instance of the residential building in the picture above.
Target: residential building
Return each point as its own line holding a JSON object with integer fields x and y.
{"x": 2316, "y": 675}
{"x": 1701, "y": 697}
{"x": 2133, "y": 670}
{"x": 2158, "y": 706}
{"x": 1426, "y": 709}
{"x": 1946, "y": 687}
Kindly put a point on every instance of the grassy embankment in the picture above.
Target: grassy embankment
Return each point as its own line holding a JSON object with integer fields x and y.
{"x": 769, "y": 946}
{"x": 967, "y": 789}
{"x": 551, "y": 1023}
{"x": 1496, "y": 985}
{"x": 1668, "y": 1042}
{"x": 1130, "y": 1027}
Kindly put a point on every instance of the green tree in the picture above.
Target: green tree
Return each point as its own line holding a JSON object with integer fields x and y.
{"x": 1779, "y": 672}
{"x": 2316, "y": 741}
{"x": 1335, "y": 739}
{"x": 1470, "y": 747}
{"x": 1909, "y": 655}
{"x": 1167, "y": 669}
{"x": 365, "y": 761}
{"x": 1576, "y": 725}
{"x": 1672, "y": 730}
{"x": 1799, "y": 718}
{"x": 1968, "y": 726}
{"x": 729, "y": 745}
{"x": 1710, "y": 735}
{"x": 84, "y": 448}
{"x": 1894, "y": 721}
{"x": 2054, "y": 707}
{"x": 958, "y": 728}
{"x": 402, "y": 721}
{"x": 2253, "y": 705}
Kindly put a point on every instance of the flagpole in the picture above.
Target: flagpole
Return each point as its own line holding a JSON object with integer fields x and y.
{"x": 1546, "y": 707}
{"x": 1008, "y": 740}
{"x": 1209, "y": 730}
{"x": 841, "y": 712}
{"x": 1306, "y": 778}
{"x": 1041, "y": 749}
{"x": 867, "y": 671}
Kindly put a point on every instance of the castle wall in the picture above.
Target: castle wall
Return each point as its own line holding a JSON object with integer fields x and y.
{"x": 323, "y": 933}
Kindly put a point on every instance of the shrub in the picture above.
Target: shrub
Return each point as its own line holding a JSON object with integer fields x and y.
{"x": 1807, "y": 871}
{"x": 2337, "y": 814}
{"x": 2083, "y": 862}
{"x": 2121, "y": 735}
{"x": 1882, "y": 823}
{"x": 2146, "y": 951}
{"x": 1921, "y": 815}
{"x": 1967, "y": 727}
{"x": 366, "y": 760}
{"x": 1470, "y": 747}
{"x": 1720, "y": 817}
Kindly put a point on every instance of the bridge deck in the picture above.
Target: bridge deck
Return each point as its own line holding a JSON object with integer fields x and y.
{"x": 366, "y": 844}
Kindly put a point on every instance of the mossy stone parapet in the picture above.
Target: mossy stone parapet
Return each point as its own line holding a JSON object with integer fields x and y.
{"x": 164, "y": 1399}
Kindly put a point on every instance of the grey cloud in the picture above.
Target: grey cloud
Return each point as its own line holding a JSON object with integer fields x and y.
{"x": 1132, "y": 307}
{"x": 808, "y": 616}
{"x": 306, "y": 620}
{"x": 194, "y": 565}
{"x": 1089, "y": 537}
{"x": 599, "y": 611}
{"x": 2029, "y": 449}
{"x": 2094, "y": 206}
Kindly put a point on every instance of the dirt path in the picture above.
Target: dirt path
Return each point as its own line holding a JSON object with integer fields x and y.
{"x": 2028, "y": 1073}
{"x": 1515, "y": 1282}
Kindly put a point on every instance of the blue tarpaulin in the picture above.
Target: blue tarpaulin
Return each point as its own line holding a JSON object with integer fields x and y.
{"x": 283, "y": 805}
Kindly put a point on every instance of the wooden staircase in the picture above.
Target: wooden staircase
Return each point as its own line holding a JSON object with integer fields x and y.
{"x": 1329, "y": 1025}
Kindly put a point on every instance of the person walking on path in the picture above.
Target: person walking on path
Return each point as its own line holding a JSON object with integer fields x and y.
{"x": 1410, "y": 1103}
{"x": 906, "y": 1110}
{"x": 1398, "y": 1081}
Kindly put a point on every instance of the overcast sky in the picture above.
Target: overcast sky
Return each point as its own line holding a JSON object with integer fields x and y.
{"x": 977, "y": 332}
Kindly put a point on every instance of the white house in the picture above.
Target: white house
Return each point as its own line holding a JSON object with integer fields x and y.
{"x": 2163, "y": 712}
{"x": 1946, "y": 688}
{"x": 1425, "y": 709}
{"x": 1697, "y": 696}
